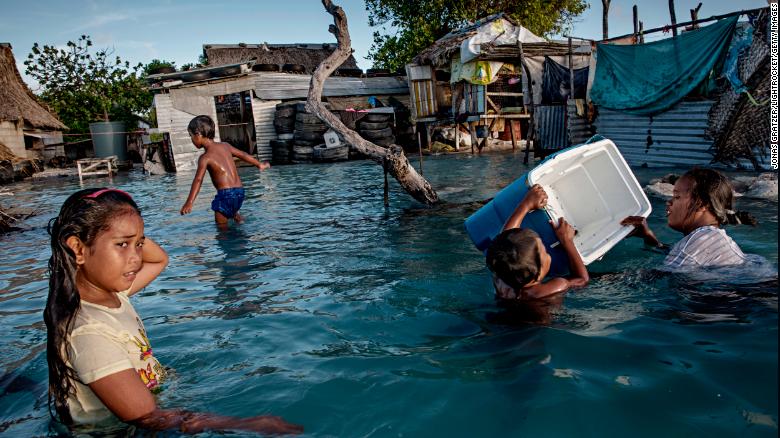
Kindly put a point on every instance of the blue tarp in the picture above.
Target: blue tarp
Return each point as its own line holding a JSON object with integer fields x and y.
{"x": 555, "y": 82}
{"x": 646, "y": 79}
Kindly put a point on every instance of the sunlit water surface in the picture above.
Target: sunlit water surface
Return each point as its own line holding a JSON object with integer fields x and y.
{"x": 353, "y": 319}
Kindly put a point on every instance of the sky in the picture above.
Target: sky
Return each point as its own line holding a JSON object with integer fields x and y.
{"x": 175, "y": 30}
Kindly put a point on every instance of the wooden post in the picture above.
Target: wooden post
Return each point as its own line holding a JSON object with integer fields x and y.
{"x": 674, "y": 18}
{"x": 419, "y": 150}
{"x": 387, "y": 185}
{"x": 512, "y": 133}
{"x": 641, "y": 33}
{"x": 636, "y": 23}
{"x": 605, "y": 18}
{"x": 571, "y": 87}
{"x": 473, "y": 136}
{"x": 695, "y": 16}
{"x": 527, "y": 86}
{"x": 457, "y": 136}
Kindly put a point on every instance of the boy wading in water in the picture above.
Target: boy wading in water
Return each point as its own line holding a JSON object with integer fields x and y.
{"x": 218, "y": 160}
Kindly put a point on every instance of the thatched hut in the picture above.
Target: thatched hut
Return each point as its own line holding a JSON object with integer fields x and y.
{"x": 308, "y": 55}
{"x": 26, "y": 126}
{"x": 490, "y": 74}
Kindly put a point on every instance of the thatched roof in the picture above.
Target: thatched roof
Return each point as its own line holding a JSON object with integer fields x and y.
{"x": 440, "y": 52}
{"x": 309, "y": 55}
{"x": 17, "y": 102}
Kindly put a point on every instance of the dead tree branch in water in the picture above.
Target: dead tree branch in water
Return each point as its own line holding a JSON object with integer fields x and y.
{"x": 393, "y": 156}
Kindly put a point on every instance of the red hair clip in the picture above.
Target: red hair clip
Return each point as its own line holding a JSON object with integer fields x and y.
{"x": 101, "y": 191}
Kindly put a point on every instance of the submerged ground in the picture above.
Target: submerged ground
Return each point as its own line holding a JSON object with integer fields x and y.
{"x": 353, "y": 319}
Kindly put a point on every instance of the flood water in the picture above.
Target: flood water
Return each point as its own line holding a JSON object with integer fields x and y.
{"x": 355, "y": 320}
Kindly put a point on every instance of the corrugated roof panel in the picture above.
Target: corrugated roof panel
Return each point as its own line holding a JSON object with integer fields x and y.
{"x": 284, "y": 86}
{"x": 673, "y": 138}
{"x": 551, "y": 127}
{"x": 263, "y": 112}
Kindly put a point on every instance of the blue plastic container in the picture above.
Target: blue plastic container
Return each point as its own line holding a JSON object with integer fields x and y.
{"x": 486, "y": 223}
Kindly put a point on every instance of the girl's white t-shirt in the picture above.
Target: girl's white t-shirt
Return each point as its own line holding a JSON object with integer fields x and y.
{"x": 105, "y": 341}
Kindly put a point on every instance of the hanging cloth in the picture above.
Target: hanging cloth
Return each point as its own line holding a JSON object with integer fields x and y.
{"x": 646, "y": 79}
{"x": 555, "y": 82}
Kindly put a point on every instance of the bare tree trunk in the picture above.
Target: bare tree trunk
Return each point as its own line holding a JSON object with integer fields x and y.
{"x": 605, "y": 18}
{"x": 393, "y": 156}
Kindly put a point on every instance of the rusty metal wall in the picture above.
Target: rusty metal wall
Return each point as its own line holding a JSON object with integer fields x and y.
{"x": 673, "y": 138}
{"x": 550, "y": 123}
{"x": 579, "y": 128}
{"x": 263, "y": 112}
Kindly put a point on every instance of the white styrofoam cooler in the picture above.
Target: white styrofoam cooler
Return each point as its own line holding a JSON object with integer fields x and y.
{"x": 592, "y": 187}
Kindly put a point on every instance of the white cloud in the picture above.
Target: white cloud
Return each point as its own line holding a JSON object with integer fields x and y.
{"x": 99, "y": 21}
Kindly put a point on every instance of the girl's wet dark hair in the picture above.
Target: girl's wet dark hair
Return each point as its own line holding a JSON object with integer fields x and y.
{"x": 85, "y": 217}
{"x": 713, "y": 190}
{"x": 514, "y": 257}
{"x": 202, "y": 125}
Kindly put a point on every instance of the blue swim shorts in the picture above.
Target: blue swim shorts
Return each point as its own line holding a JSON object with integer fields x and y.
{"x": 228, "y": 201}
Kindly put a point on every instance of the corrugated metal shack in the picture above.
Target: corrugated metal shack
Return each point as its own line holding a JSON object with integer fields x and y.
{"x": 243, "y": 101}
{"x": 723, "y": 126}
{"x": 489, "y": 76}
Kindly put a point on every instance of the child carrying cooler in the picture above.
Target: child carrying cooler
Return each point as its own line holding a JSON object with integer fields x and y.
{"x": 519, "y": 261}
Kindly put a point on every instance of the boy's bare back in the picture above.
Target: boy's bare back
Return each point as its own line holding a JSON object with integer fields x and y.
{"x": 218, "y": 160}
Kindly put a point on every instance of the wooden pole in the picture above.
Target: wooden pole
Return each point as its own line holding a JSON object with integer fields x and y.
{"x": 674, "y": 18}
{"x": 695, "y": 16}
{"x": 704, "y": 20}
{"x": 636, "y": 23}
{"x": 512, "y": 133}
{"x": 386, "y": 197}
{"x": 419, "y": 150}
{"x": 527, "y": 86}
{"x": 571, "y": 89}
{"x": 605, "y": 18}
{"x": 641, "y": 33}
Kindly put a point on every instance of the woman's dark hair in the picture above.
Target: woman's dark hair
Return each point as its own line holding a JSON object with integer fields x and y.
{"x": 514, "y": 257}
{"x": 202, "y": 125}
{"x": 84, "y": 214}
{"x": 711, "y": 189}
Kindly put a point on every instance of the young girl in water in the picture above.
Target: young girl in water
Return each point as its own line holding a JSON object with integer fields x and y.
{"x": 101, "y": 363}
{"x": 701, "y": 202}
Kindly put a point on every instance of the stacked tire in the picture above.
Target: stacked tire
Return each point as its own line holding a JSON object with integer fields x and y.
{"x": 377, "y": 128}
{"x": 306, "y": 135}
{"x": 284, "y": 118}
{"x": 281, "y": 151}
{"x": 284, "y": 124}
{"x": 324, "y": 154}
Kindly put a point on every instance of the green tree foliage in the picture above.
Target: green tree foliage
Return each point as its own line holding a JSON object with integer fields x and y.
{"x": 414, "y": 25}
{"x": 83, "y": 85}
{"x": 154, "y": 64}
